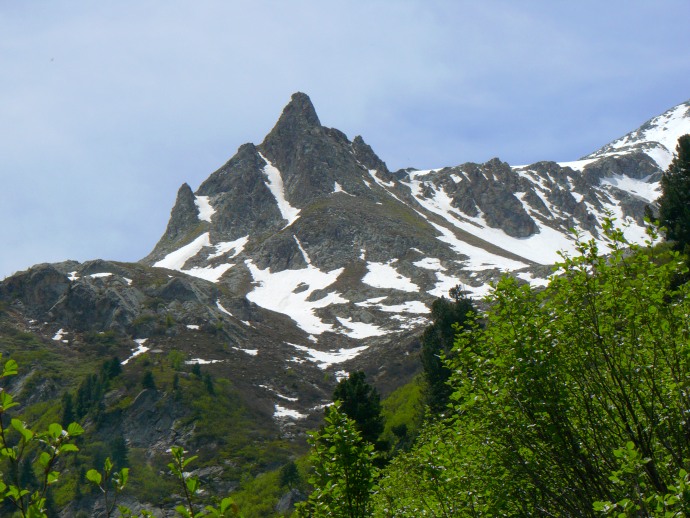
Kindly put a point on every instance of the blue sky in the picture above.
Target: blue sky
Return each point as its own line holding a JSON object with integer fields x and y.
{"x": 106, "y": 108}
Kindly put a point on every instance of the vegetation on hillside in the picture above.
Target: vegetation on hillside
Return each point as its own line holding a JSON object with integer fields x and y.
{"x": 568, "y": 401}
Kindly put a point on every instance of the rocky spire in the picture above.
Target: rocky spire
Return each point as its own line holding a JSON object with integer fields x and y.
{"x": 183, "y": 216}
{"x": 298, "y": 117}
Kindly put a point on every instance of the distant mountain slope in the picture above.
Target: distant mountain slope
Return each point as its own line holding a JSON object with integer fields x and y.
{"x": 315, "y": 226}
{"x": 657, "y": 138}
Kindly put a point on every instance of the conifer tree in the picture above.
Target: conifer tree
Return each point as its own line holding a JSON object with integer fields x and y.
{"x": 361, "y": 403}
{"x": 674, "y": 203}
{"x": 437, "y": 340}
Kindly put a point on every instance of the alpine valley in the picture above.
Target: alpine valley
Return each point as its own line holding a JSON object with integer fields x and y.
{"x": 302, "y": 259}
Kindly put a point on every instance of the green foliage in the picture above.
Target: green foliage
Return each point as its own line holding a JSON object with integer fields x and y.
{"x": 17, "y": 443}
{"x": 674, "y": 203}
{"x": 289, "y": 475}
{"x": 344, "y": 472}
{"x": 191, "y": 488}
{"x": 645, "y": 500}
{"x": 360, "y": 402}
{"x": 176, "y": 359}
{"x": 403, "y": 412}
{"x": 437, "y": 342}
{"x": 550, "y": 389}
{"x": 108, "y": 481}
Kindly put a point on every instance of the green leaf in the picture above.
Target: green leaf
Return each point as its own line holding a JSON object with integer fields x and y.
{"x": 74, "y": 429}
{"x": 18, "y": 425}
{"x": 10, "y": 369}
{"x": 94, "y": 476}
{"x": 55, "y": 430}
{"x": 6, "y": 401}
{"x": 68, "y": 447}
{"x": 44, "y": 459}
{"x": 52, "y": 477}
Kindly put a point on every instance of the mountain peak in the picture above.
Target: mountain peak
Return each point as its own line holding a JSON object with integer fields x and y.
{"x": 297, "y": 116}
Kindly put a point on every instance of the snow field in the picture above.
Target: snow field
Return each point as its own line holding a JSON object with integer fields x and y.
{"x": 276, "y": 292}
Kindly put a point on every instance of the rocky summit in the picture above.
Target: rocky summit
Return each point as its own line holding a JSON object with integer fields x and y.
{"x": 304, "y": 258}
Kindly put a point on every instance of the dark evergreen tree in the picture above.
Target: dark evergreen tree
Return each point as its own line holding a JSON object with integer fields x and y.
{"x": 289, "y": 476}
{"x": 208, "y": 383}
{"x": 119, "y": 452}
{"x": 147, "y": 381}
{"x": 437, "y": 340}
{"x": 112, "y": 368}
{"x": 674, "y": 203}
{"x": 67, "y": 409}
{"x": 361, "y": 403}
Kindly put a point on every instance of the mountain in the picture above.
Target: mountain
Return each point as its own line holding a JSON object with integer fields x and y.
{"x": 304, "y": 258}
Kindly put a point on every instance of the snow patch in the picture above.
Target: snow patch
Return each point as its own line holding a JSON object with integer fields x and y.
{"x": 205, "y": 209}
{"x": 201, "y": 361}
{"x": 177, "y": 259}
{"x": 383, "y": 275}
{"x": 282, "y": 412}
{"x": 410, "y": 306}
{"x": 250, "y": 352}
{"x": 288, "y": 292}
{"x": 100, "y": 275}
{"x": 218, "y": 304}
{"x": 338, "y": 188}
{"x": 359, "y": 330}
{"x": 193, "y": 326}
{"x": 236, "y": 246}
{"x": 642, "y": 188}
{"x": 275, "y": 185}
{"x": 141, "y": 349}
{"x": 430, "y": 263}
{"x": 58, "y": 337}
{"x": 301, "y": 249}
{"x": 531, "y": 279}
{"x": 325, "y": 359}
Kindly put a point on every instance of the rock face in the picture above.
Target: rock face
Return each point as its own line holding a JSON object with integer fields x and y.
{"x": 304, "y": 258}
{"x": 311, "y": 230}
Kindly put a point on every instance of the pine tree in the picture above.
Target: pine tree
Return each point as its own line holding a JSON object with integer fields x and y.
{"x": 67, "y": 409}
{"x": 437, "y": 340}
{"x": 361, "y": 403}
{"x": 674, "y": 203}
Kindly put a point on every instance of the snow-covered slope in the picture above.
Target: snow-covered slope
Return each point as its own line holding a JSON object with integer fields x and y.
{"x": 313, "y": 226}
{"x": 305, "y": 254}
{"x": 657, "y": 137}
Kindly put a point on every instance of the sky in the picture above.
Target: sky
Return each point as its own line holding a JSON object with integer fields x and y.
{"x": 106, "y": 108}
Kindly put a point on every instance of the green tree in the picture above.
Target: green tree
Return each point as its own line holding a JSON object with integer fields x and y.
{"x": 437, "y": 342}
{"x": 551, "y": 391}
{"x": 674, "y": 203}
{"x": 148, "y": 381}
{"x": 289, "y": 476}
{"x": 361, "y": 403}
{"x": 67, "y": 409}
{"x": 343, "y": 470}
